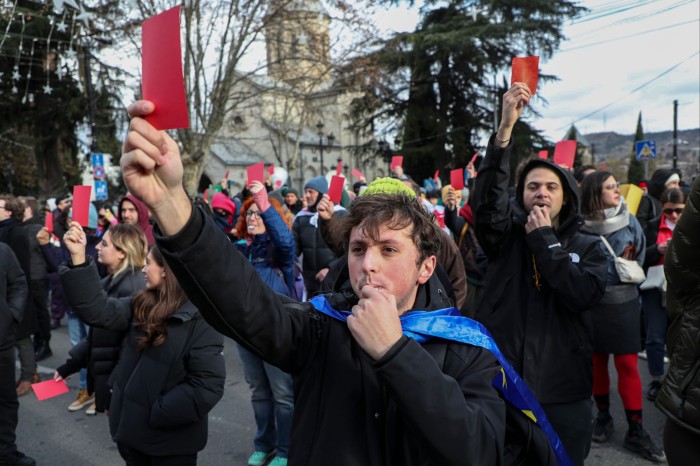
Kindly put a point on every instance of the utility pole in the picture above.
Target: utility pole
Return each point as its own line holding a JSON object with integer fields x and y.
{"x": 675, "y": 134}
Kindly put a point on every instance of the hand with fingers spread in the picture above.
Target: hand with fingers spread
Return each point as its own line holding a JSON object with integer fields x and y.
{"x": 514, "y": 102}
{"x": 538, "y": 218}
{"x": 75, "y": 241}
{"x": 153, "y": 171}
{"x": 374, "y": 322}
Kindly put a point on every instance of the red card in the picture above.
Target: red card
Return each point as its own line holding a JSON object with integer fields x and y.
{"x": 356, "y": 173}
{"x": 161, "y": 67}
{"x": 436, "y": 175}
{"x": 396, "y": 161}
{"x": 49, "y": 389}
{"x": 226, "y": 175}
{"x": 335, "y": 190}
{"x": 474, "y": 157}
{"x": 339, "y": 168}
{"x": 81, "y": 204}
{"x": 543, "y": 154}
{"x": 526, "y": 70}
{"x": 48, "y": 223}
{"x": 271, "y": 170}
{"x": 457, "y": 179}
{"x": 603, "y": 166}
{"x": 256, "y": 172}
{"x": 564, "y": 153}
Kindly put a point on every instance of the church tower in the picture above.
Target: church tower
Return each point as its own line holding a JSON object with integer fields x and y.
{"x": 298, "y": 42}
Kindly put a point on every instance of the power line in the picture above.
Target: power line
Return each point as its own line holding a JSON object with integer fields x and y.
{"x": 638, "y": 88}
{"x": 614, "y": 39}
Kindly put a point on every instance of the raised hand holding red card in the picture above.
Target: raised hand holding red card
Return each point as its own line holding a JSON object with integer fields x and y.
{"x": 396, "y": 161}
{"x": 161, "y": 67}
{"x": 526, "y": 70}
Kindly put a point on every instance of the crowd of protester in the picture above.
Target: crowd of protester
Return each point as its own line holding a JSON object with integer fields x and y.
{"x": 543, "y": 265}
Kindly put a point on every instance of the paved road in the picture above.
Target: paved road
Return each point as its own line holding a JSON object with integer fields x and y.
{"x": 54, "y": 436}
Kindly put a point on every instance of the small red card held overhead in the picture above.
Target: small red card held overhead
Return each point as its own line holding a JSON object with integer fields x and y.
{"x": 474, "y": 157}
{"x": 457, "y": 179}
{"x": 396, "y": 161}
{"x": 81, "y": 204}
{"x": 564, "y": 153}
{"x": 256, "y": 172}
{"x": 335, "y": 190}
{"x": 526, "y": 70}
{"x": 543, "y": 154}
{"x": 271, "y": 170}
{"x": 161, "y": 67}
{"x": 339, "y": 168}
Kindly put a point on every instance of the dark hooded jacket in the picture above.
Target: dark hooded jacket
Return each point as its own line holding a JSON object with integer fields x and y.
{"x": 99, "y": 351}
{"x": 161, "y": 395}
{"x": 12, "y": 233}
{"x": 650, "y": 205}
{"x": 420, "y": 404}
{"x": 540, "y": 285}
{"x": 13, "y": 297}
{"x": 679, "y": 398}
{"x": 142, "y": 210}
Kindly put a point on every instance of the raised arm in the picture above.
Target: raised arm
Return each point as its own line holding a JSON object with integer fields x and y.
{"x": 491, "y": 200}
{"x": 152, "y": 170}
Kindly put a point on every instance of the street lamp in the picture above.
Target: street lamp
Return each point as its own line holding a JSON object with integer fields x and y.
{"x": 320, "y": 125}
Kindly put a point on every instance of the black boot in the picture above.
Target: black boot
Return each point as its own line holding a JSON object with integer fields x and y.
{"x": 43, "y": 352}
{"x": 17, "y": 459}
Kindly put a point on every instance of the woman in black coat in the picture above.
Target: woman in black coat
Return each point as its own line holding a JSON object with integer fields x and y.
{"x": 171, "y": 370}
{"x": 122, "y": 250}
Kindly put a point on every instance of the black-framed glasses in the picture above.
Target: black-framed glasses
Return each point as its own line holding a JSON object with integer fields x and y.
{"x": 251, "y": 213}
{"x": 676, "y": 211}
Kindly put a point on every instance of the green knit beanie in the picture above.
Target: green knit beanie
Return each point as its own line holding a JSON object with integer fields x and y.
{"x": 387, "y": 186}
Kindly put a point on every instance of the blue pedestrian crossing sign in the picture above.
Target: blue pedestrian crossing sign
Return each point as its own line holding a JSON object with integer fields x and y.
{"x": 645, "y": 149}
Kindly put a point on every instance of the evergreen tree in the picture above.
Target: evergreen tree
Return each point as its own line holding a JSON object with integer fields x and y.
{"x": 43, "y": 103}
{"x": 635, "y": 172}
{"x": 432, "y": 86}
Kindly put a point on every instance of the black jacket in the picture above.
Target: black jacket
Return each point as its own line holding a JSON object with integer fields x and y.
{"x": 13, "y": 296}
{"x": 12, "y": 233}
{"x": 402, "y": 410}
{"x": 99, "y": 352}
{"x": 539, "y": 285}
{"x": 650, "y": 204}
{"x": 317, "y": 254}
{"x": 162, "y": 394}
{"x": 679, "y": 397}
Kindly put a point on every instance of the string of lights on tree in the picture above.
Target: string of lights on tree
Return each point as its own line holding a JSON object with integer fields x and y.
{"x": 55, "y": 50}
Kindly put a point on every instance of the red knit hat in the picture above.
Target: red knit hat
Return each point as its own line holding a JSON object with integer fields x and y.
{"x": 221, "y": 201}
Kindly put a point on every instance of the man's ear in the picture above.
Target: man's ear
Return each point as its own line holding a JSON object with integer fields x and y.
{"x": 426, "y": 269}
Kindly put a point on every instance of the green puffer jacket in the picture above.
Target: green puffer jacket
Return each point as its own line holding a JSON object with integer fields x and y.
{"x": 679, "y": 397}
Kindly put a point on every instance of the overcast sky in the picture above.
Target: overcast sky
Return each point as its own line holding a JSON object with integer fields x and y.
{"x": 615, "y": 48}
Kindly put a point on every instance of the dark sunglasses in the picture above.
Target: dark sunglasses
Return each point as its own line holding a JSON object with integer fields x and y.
{"x": 677, "y": 211}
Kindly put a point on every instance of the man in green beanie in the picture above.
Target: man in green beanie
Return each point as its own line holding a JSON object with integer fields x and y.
{"x": 365, "y": 392}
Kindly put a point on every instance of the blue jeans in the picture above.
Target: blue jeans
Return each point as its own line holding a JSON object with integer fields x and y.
{"x": 77, "y": 330}
{"x": 656, "y": 321}
{"x": 273, "y": 403}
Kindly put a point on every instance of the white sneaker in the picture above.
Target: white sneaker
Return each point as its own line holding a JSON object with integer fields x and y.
{"x": 642, "y": 354}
